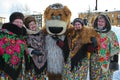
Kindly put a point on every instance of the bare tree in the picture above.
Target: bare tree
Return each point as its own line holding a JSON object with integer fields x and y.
{"x": 20, "y": 8}
{"x": 16, "y": 7}
{"x": 26, "y": 9}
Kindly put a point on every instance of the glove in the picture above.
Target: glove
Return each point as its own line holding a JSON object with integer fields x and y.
{"x": 36, "y": 52}
{"x": 114, "y": 62}
{"x": 94, "y": 42}
{"x": 114, "y": 58}
{"x": 114, "y": 66}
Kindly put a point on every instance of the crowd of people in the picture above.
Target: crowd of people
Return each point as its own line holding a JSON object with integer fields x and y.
{"x": 23, "y": 53}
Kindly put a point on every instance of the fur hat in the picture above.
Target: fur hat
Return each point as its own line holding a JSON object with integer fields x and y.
{"x": 28, "y": 19}
{"x": 16, "y": 15}
{"x": 78, "y": 20}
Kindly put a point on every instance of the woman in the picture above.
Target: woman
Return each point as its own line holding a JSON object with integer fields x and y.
{"x": 36, "y": 49}
{"x": 12, "y": 47}
{"x": 108, "y": 48}
{"x": 80, "y": 39}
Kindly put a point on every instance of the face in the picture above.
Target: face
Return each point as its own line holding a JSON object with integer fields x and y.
{"x": 101, "y": 23}
{"x": 32, "y": 26}
{"x": 77, "y": 26}
{"x": 18, "y": 22}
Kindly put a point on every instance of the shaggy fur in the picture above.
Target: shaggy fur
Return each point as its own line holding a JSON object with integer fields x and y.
{"x": 86, "y": 33}
{"x": 65, "y": 13}
{"x": 80, "y": 50}
{"x": 55, "y": 56}
{"x": 57, "y": 21}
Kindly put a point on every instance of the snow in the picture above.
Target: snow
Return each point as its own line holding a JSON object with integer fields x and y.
{"x": 117, "y": 31}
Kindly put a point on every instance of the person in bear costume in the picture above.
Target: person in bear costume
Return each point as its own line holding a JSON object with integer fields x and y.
{"x": 57, "y": 20}
{"x": 58, "y": 30}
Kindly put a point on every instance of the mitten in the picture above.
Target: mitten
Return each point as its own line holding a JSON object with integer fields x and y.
{"x": 94, "y": 42}
{"x": 36, "y": 52}
{"x": 114, "y": 58}
{"x": 114, "y": 62}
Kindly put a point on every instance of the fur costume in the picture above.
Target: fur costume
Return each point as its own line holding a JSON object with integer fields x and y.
{"x": 57, "y": 21}
{"x": 58, "y": 30}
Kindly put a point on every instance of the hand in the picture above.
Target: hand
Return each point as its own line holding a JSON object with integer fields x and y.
{"x": 114, "y": 62}
{"x": 114, "y": 58}
{"x": 55, "y": 38}
{"x": 94, "y": 42}
{"x": 114, "y": 66}
{"x": 36, "y": 52}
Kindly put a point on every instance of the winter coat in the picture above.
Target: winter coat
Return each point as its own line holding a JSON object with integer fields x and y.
{"x": 109, "y": 46}
{"x": 12, "y": 50}
{"x": 36, "y": 41}
{"x": 78, "y": 64}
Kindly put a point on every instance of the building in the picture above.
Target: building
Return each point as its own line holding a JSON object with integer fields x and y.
{"x": 2, "y": 20}
{"x": 113, "y": 15}
{"x": 38, "y": 18}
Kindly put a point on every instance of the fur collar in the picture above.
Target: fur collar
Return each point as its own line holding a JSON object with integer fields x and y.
{"x": 32, "y": 32}
{"x": 14, "y": 29}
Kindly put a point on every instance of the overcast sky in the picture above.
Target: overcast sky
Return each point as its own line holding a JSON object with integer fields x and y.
{"x": 76, "y": 6}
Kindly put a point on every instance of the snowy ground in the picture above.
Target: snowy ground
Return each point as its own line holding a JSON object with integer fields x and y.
{"x": 117, "y": 31}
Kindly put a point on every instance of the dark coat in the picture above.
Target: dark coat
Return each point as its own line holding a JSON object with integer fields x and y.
{"x": 11, "y": 32}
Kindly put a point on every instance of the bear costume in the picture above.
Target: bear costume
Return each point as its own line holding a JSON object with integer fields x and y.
{"x": 58, "y": 30}
{"x": 57, "y": 21}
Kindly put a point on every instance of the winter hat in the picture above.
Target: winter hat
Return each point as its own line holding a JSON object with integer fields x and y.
{"x": 28, "y": 19}
{"x": 78, "y": 20}
{"x": 16, "y": 15}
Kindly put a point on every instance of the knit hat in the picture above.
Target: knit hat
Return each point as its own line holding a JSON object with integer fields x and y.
{"x": 78, "y": 20}
{"x": 28, "y": 19}
{"x": 16, "y": 15}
